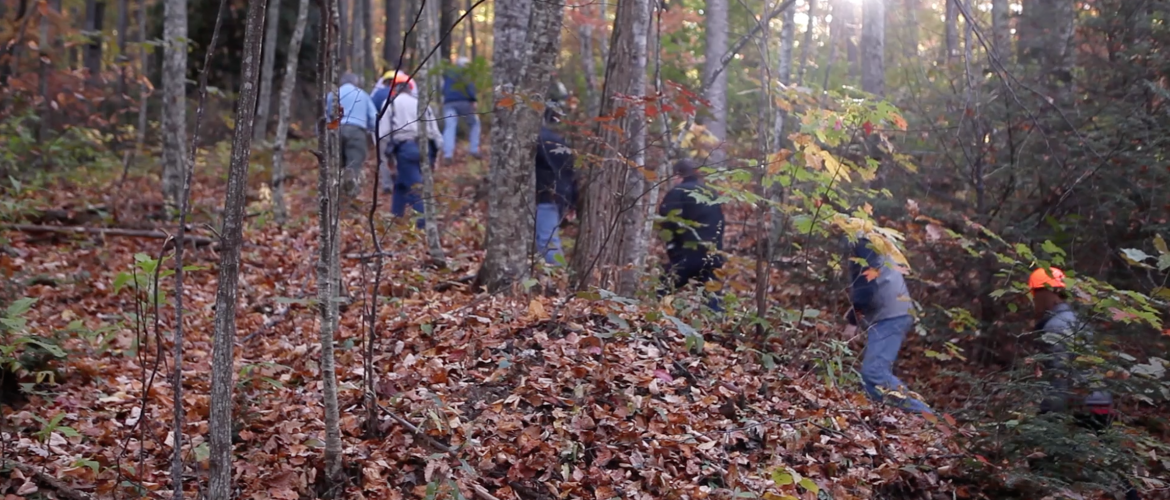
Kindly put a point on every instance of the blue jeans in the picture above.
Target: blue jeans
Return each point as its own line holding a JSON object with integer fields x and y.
{"x": 408, "y": 163}
{"x": 452, "y": 111}
{"x": 883, "y": 340}
{"x": 548, "y": 241}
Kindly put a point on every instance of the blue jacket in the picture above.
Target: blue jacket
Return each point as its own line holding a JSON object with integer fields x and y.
{"x": 356, "y": 105}
{"x": 876, "y": 298}
{"x": 689, "y": 245}
{"x": 458, "y": 87}
{"x": 555, "y": 181}
{"x": 379, "y": 98}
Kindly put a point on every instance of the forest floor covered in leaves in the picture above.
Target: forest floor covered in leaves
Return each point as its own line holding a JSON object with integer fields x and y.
{"x": 533, "y": 397}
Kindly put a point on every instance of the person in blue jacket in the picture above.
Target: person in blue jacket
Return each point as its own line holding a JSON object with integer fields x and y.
{"x": 694, "y": 246}
{"x": 881, "y": 306}
{"x": 459, "y": 101}
{"x": 556, "y": 186}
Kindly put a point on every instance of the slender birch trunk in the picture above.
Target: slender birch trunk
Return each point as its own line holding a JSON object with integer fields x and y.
{"x": 174, "y": 112}
{"x": 287, "y": 86}
{"x": 267, "y": 70}
{"x": 427, "y": 85}
{"x": 231, "y": 240}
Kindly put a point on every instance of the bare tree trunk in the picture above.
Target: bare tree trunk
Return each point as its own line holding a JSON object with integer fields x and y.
{"x": 1001, "y": 35}
{"x": 849, "y": 30}
{"x": 392, "y": 38}
{"x": 328, "y": 264}
{"x": 343, "y": 28}
{"x": 447, "y": 16}
{"x": 520, "y": 73}
{"x": 784, "y": 76}
{"x": 143, "y": 79}
{"x": 589, "y": 65}
{"x": 787, "y": 40}
{"x": 287, "y": 86}
{"x": 370, "y": 64}
{"x": 910, "y": 44}
{"x": 95, "y": 12}
{"x": 123, "y": 60}
{"x": 174, "y": 112}
{"x": 873, "y": 40}
{"x": 46, "y": 110}
{"x": 470, "y": 32}
{"x": 612, "y": 239}
{"x": 716, "y": 13}
{"x": 806, "y": 45}
{"x": 267, "y": 70}
{"x": 357, "y": 51}
{"x": 951, "y": 22}
{"x": 836, "y": 26}
{"x": 231, "y": 239}
{"x": 428, "y": 85}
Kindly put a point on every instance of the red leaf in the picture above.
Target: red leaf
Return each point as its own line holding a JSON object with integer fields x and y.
{"x": 867, "y": 127}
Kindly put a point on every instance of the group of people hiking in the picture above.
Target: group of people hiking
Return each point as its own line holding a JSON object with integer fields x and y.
{"x": 881, "y": 306}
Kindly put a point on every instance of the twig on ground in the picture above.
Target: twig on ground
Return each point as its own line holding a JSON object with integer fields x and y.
{"x": 63, "y": 490}
{"x": 198, "y": 241}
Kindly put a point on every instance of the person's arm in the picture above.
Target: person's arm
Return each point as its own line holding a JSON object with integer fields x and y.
{"x": 433, "y": 127}
{"x": 371, "y": 113}
{"x": 862, "y": 286}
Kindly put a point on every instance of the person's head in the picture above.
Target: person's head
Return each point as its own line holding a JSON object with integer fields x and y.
{"x": 686, "y": 168}
{"x": 349, "y": 79}
{"x": 553, "y": 112}
{"x": 400, "y": 82}
{"x": 461, "y": 61}
{"x": 1048, "y": 289}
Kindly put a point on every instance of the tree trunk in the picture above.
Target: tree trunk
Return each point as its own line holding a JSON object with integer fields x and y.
{"x": 717, "y": 28}
{"x": 287, "y": 86}
{"x": 328, "y": 263}
{"x": 589, "y": 65}
{"x": 848, "y": 10}
{"x": 267, "y": 70}
{"x": 611, "y": 248}
{"x": 951, "y": 23}
{"x": 174, "y": 112}
{"x": 392, "y": 44}
{"x": 787, "y": 40}
{"x": 873, "y": 39}
{"x": 428, "y": 85}
{"x": 1001, "y": 35}
{"x": 370, "y": 64}
{"x": 910, "y": 44}
{"x": 357, "y": 51}
{"x": 780, "y": 119}
{"x": 343, "y": 29}
{"x": 46, "y": 109}
{"x": 449, "y": 12}
{"x": 520, "y": 75}
{"x": 222, "y": 371}
{"x": 806, "y": 45}
{"x": 123, "y": 60}
{"x": 95, "y": 12}
{"x": 474, "y": 53}
{"x": 143, "y": 79}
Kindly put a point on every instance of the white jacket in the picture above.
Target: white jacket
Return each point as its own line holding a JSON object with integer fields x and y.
{"x": 400, "y": 122}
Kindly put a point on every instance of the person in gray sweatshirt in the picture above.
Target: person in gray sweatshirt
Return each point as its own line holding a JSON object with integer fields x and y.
{"x": 881, "y": 307}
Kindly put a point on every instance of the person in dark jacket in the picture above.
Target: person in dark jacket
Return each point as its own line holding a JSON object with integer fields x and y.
{"x": 1060, "y": 329}
{"x": 696, "y": 238}
{"x": 459, "y": 101}
{"x": 556, "y": 186}
{"x": 881, "y": 307}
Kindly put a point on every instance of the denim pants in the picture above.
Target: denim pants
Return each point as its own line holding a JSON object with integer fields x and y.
{"x": 883, "y": 341}
{"x": 452, "y": 112}
{"x": 408, "y": 163}
{"x": 548, "y": 241}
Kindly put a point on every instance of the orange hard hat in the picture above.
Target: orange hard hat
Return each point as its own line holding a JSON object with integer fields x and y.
{"x": 1046, "y": 278}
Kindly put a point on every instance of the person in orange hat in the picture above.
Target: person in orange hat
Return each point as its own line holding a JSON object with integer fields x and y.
{"x": 1060, "y": 327}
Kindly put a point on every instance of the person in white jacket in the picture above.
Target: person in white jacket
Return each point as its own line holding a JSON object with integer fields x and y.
{"x": 399, "y": 132}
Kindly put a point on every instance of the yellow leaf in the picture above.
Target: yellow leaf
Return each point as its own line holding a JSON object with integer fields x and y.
{"x": 809, "y": 485}
{"x": 899, "y": 122}
{"x": 536, "y": 310}
{"x": 768, "y": 495}
{"x": 713, "y": 286}
{"x": 1160, "y": 244}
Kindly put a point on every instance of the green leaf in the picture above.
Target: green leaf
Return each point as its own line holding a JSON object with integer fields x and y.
{"x": 121, "y": 280}
{"x": 20, "y": 306}
{"x": 68, "y": 431}
{"x": 1135, "y": 256}
{"x": 1164, "y": 262}
{"x": 809, "y": 485}
{"x": 1051, "y": 248}
{"x": 781, "y": 477}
